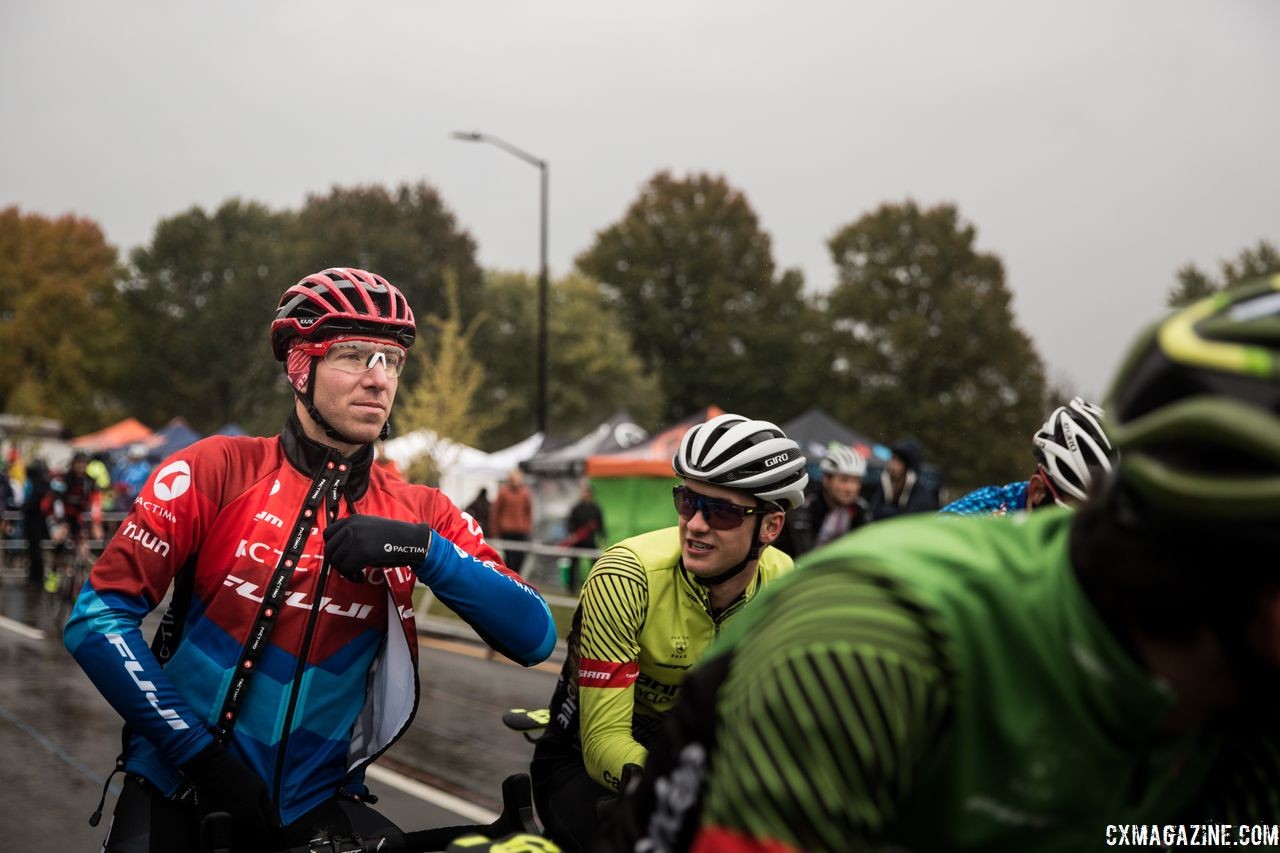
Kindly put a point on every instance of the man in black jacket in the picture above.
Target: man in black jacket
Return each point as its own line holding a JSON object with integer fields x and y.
{"x": 901, "y": 490}
{"x": 33, "y": 519}
{"x": 585, "y": 526}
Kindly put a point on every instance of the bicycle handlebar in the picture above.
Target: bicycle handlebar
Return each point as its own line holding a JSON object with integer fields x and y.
{"x": 516, "y": 817}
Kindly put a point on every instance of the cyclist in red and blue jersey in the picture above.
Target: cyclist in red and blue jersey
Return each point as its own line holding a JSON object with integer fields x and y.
{"x": 287, "y": 660}
{"x": 1072, "y": 451}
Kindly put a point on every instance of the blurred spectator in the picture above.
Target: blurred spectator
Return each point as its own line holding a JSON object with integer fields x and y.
{"x": 17, "y": 474}
{"x": 8, "y": 503}
{"x": 512, "y": 517}
{"x": 132, "y": 474}
{"x": 74, "y": 497}
{"x": 479, "y": 509}
{"x": 101, "y": 475}
{"x": 8, "y": 497}
{"x": 835, "y": 508}
{"x": 33, "y": 518}
{"x": 900, "y": 491}
{"x": 585, "y": 526}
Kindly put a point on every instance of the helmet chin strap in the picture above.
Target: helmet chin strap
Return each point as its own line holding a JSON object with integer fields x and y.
{"x": 753, "y": 552}
{"x": 309, "y": 404}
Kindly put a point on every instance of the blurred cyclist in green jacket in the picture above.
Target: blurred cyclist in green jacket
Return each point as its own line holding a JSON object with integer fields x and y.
{"x": 1038, "y": 681}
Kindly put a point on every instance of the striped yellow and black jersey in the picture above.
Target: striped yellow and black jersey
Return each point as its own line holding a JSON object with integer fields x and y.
{"x": 641, "y": 624}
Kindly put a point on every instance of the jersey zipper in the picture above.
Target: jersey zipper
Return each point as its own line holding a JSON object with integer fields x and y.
{"x": 296, "y": 688}
{"x": 335, "y": 491}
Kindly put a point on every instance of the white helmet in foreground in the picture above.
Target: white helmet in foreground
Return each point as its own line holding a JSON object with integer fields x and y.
{"x": 737, "y": 453}
{"x": 1073, "y": 448}
{"x": 842, "y": 459}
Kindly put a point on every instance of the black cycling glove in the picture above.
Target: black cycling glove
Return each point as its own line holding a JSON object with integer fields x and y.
{"x": 224, "y": 783}
{"x": 353, "y": 543}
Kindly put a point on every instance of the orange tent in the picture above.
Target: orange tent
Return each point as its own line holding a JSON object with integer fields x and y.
{"x": 653, "y": 457}
{"x": 117, "y": 435}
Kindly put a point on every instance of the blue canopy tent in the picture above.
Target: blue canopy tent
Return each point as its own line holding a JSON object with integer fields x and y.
{"x": 815, "y": 429}
{"x": 171, "y": 438}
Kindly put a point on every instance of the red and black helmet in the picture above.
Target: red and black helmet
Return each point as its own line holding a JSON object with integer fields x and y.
{"x": 338, "y": 301}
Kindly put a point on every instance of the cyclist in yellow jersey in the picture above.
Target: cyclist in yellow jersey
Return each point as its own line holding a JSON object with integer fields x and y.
{"x": 653, "y": 603}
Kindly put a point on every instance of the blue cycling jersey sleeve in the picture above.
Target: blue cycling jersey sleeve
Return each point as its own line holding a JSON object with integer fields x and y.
{"x": 508, "y": 613}
{"x": 990, "y": 500}
{"x": 104, "y": 637}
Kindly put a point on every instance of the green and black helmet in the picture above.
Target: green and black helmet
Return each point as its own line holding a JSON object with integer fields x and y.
{"x": 1195, "y": 411}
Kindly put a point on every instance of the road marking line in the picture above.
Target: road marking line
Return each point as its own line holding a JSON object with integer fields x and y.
{"x": 457, "y": 805}
{"x": 19, "y": 628}
{"x": 61, "y": 753}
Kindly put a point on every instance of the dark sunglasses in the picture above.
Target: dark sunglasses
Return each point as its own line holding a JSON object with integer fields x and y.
{"x": 718, "y": 514}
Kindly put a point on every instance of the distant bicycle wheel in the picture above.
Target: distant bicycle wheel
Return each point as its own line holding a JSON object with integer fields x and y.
{"x": 71, "y": 581}
{"x": 63, "y": 578}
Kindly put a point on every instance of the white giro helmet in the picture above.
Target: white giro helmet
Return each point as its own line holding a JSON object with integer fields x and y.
{"x": 841, "y": 459}
{"x": 737, "y": 453}
{"x": 1073, "y": 448}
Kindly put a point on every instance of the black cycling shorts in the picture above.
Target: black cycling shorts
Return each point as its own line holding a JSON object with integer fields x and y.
{"x": 146, "y": 821}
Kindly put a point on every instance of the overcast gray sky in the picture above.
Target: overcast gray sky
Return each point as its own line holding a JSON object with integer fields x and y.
{"x": 1096, "y": 145}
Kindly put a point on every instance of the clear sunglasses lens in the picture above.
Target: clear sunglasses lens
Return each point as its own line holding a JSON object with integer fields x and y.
{"x": 360, "y": 356}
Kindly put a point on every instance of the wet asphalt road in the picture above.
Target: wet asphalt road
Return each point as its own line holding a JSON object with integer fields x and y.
{"x": 58, "y": 736}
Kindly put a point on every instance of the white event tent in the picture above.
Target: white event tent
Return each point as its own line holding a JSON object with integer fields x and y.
{"x": 464, "y": 470}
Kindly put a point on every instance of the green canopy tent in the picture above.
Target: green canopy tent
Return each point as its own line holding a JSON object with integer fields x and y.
{"x": 633, "y": 486}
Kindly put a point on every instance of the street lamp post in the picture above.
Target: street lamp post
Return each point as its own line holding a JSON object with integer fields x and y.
{"x": 540, "y": 403}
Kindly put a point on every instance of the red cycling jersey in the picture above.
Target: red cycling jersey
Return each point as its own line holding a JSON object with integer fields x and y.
{"x": 337, "y": 683}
